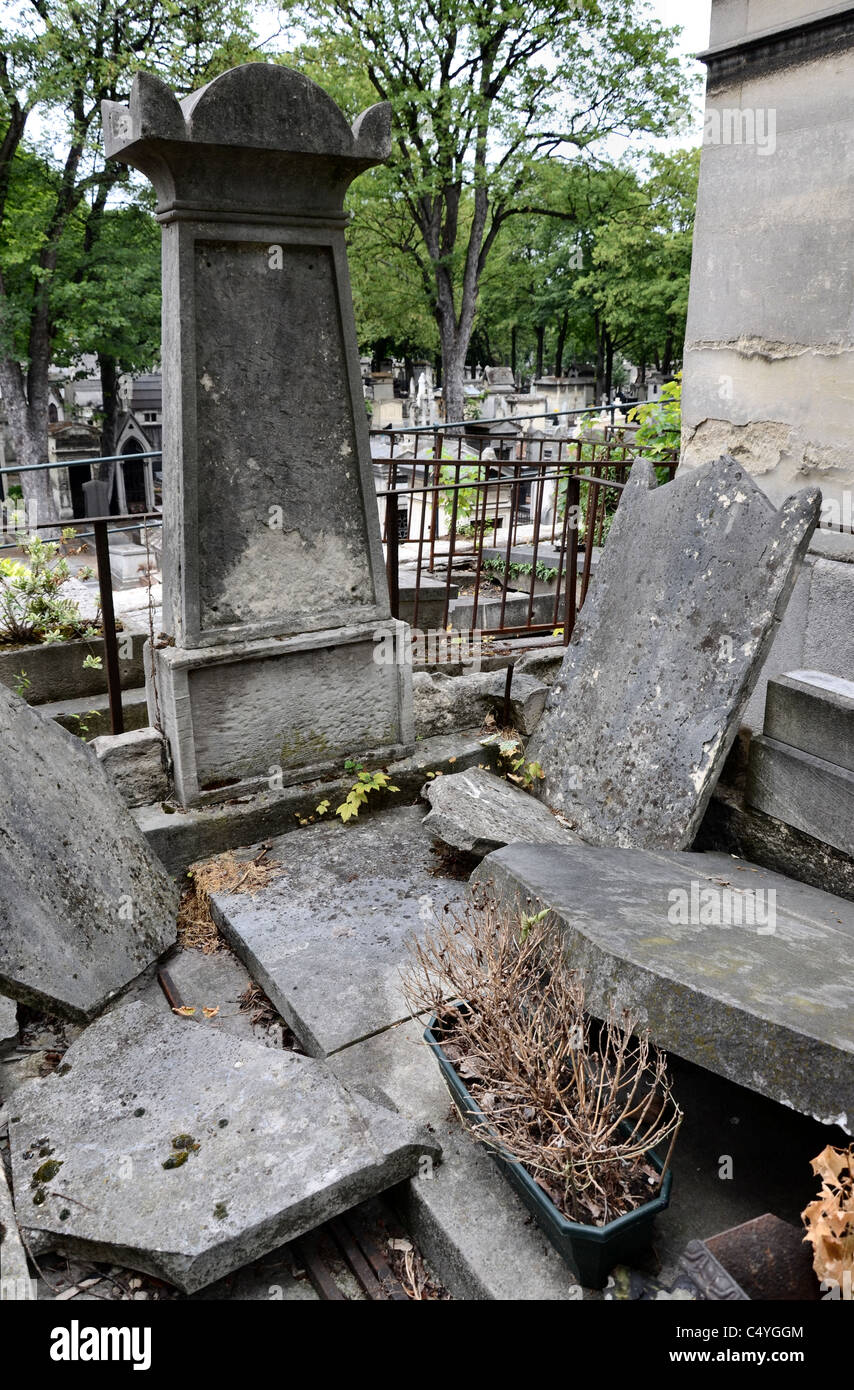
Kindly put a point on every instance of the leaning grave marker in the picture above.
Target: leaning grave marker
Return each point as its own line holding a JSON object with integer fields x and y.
{"x": 274, "y": 589}
{"x": 688, "y": 594}
{"x": 85, "y": 904}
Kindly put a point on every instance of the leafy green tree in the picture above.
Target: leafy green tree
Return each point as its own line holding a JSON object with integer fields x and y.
{"x": 641, "y": 267}
{"x": 60, "y": 59}
{"x": 480, "y": 91}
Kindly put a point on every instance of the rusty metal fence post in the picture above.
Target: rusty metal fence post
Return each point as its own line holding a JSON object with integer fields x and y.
{"x": 108, "y": 619}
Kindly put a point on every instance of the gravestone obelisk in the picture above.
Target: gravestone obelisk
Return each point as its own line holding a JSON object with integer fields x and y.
{"x": 275, "y": 607}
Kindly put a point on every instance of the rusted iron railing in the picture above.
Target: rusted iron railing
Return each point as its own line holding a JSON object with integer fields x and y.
{"x": 449, "y": 503}
{"x": 99, "y": 529}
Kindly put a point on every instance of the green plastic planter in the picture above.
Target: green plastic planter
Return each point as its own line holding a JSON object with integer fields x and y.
{"x": 592, "y": 1251}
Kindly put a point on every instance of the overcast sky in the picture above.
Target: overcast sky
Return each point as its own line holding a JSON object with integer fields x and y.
{"x": 692, "y": 15}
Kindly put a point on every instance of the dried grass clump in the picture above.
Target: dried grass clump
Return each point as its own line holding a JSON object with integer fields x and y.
{"x": 197, "y": 929}
{"x": 579, "y": 1103}
{"x": 829, "y": 1220}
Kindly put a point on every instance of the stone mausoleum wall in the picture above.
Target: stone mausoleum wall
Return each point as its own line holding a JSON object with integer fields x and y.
{"x": 769, "y": 360}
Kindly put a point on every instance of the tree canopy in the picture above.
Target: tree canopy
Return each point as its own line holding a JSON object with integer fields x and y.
{"x": 481, "y": 94}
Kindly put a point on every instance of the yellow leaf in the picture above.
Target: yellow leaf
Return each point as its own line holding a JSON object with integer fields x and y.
{"x": 211, "y": 1013}
{"x": 185, "y": 1011}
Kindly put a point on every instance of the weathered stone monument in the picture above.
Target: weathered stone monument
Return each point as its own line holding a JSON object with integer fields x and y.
{"x": 275, "y": 597}
{"x": 85, "y": 905}
{"x": 686, "y": 602}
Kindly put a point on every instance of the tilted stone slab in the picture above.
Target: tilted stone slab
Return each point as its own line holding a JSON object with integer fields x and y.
{"x": 693, "y": 581}
{"x": 477, "y": 812}
{"x": 186, "y": 1153}
{"x": 814, "y": 713}
{"x": 325, "y": 939}
{"x": 85, "y": 905}
{"x": 773, "y": 1011}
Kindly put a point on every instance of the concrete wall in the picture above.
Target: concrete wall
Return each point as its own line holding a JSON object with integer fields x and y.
{"x": 769, "y": 359}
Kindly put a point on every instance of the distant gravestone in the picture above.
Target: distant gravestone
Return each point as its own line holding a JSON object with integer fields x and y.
{"x": 85, "y": 905}
{"x": 275, "y": 595}
{"x": 186, "y": 1153}
{"x": 685, "y": 604}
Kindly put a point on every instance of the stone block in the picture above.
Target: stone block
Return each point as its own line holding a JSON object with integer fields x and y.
{"x": 477, "y": 812}
{"x": 814, "y": 713}
{"x": 768, "y": 1003}
{"x": 443, "y": 703}
{"x": 16, "y": 1285}
{"x": 129, "y": 563}
{"x": 178, "y": 1150}
{"x": 8, "y": 1022}
{"x": 693, "y": 581}
{"x": 136, "y": 763}
{"x": 814, "y": 796}
{"x": 85, "y": 905}
{"x": 282, "y": 710}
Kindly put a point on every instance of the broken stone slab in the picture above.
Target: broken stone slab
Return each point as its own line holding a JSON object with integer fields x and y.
{"x": 443, "y": 702}
{"x": 692, "y": 584}
{"x": 173, "y": 1148}
{"x": 813, "y": 712}
{"x": 325, "y": 939}
{"x": 136, "y": 762}
{"x": 798, "y": 789}
{"x": 16, "y": 1284}
{"x": 769, "y": 1006}
{"x": 543, "y": 665}
{"x": 85, "y": 905}
{"x": 477, "y": 812}
{"x": 8, "y": 1022}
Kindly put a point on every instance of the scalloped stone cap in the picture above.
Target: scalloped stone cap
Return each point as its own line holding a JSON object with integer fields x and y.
{"x": 257, "y": 106}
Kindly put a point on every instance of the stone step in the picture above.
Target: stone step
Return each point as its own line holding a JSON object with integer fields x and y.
{"x": 814, "y": 713}
{"x": 325, "y": 937}
{"x": 182, "y": 836}
{"x": 90, "y": 714}
{"x": 769, "y": 1005}
{"x": 801, "y": 790}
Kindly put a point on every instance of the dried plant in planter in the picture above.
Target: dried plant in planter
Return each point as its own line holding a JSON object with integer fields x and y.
{"x": 830, "y": 1220}
{"x": 579, "y": 1103}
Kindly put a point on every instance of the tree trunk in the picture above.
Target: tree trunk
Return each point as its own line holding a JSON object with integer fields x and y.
{"x": 454, "y": 349}
{"x": 26, "y": 405}
{"x": 609, "y": 366}
{"x": 541, "y": 343}
{"x": 600, "y": 359}
{"x": 110, "y": 402}
{"x": 561, "y": 343}
{"x": 513, "y": 332}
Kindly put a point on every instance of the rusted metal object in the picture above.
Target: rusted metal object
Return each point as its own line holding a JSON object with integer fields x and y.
{"x": 170, "y": 989}
{"x": 108, "y": 620}
{"x": 347, "y": 1240}
{"x": 769, "y": 1259}
{"x": 582, "y": 476}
